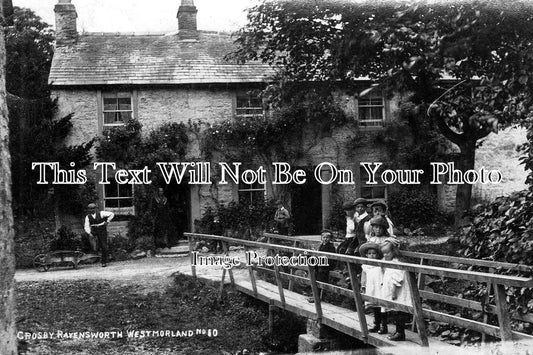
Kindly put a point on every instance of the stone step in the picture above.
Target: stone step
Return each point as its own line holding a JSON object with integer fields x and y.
{"x": 180, "y": 249}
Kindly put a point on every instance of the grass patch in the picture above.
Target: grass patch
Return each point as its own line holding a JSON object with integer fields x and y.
{"x": 98, "y": 306}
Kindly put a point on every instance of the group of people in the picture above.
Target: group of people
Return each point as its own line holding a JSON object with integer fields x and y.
{"x": 372, "y": 236}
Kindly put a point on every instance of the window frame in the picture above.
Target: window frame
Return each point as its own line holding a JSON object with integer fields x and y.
{"x": 128, "y": 210}
{"x": 363, "y": 185}
{"x": 102, "y": 94}
{"x": 250, "y": 189}
{"x": 249, "y": 96}
{"x": 369, "y": 123}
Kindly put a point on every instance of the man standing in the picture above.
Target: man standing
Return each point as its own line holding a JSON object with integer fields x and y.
{"x": 281, "y": 218}
{"x": 96, "y": 226}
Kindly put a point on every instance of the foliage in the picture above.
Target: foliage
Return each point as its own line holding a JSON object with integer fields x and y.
{"x": 409, "y": 47}
{"x": 337, "y": 217}
{"x": 29, "y": 51}
{"x": 36, "y": 136}
{"x": 242, "y": 220}
{"x": 501, "y": 231}
{"x": 119, "y": 247}
{"x": 127, "y": 146}
{"x": 33, "y": 236}
{"x": 118, "y": 144}
{"x": 412, "y": 142}
{"x": 297, "y": 110}
{"x": 66, "y": 239}
{"x": 413, "y": 207}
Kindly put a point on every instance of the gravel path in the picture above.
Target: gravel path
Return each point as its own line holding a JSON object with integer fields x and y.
{"x": 149, "y": 274}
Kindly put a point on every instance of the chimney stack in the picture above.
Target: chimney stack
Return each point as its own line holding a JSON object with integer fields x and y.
{"x": 66, "y": 32}
{"x": 187, "y": 20}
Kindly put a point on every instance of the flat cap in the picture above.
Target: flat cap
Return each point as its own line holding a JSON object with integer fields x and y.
{"x": 360, "y": 201}
{"x": 91, "y": 205}
{"x": 348, "y": 205}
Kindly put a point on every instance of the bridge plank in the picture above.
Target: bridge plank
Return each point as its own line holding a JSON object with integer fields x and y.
{"x": 333, "y": 316}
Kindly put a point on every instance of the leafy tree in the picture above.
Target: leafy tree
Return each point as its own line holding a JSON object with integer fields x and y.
{"x": 29, "y": 48}
{"x": 484, "y": 48}
{"x": 35, "y": 134}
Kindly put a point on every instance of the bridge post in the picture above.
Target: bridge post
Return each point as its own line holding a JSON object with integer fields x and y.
{"x": 417, "y": 308}
{"x": 291, "y": 282}
{"x": 504, "y": 320}
{"x": 252, "y": 276}
{"x": 191, "y": 249}
{"x": 271, "y": 309}
{"x": 356, "y": 289}
{"x": 279, "y": 282}
{"x": 225, "y": 246}
{"x": 316, "y": 293}
{"x": 484, "y": 310}
{"x": 421, "y": 286}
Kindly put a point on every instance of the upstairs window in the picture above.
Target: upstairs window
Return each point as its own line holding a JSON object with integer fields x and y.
{"x": 371, "y": 110}
{"x": 249, "y": 105}
{"x": 117, "y": 108}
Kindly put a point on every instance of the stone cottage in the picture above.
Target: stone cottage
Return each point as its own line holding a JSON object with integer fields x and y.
{"x": 107, "y": 78}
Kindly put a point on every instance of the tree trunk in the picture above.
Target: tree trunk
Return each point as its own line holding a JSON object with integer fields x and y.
{"x": 8, "y": 342}
{"x": 463, "y": 195}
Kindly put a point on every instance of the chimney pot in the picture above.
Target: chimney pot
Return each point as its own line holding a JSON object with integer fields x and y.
{"x": 66, "y": 31}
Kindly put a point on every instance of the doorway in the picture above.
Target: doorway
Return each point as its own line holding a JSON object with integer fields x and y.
{"x": 306, "y": 207}
{"x": 178, "y": 196}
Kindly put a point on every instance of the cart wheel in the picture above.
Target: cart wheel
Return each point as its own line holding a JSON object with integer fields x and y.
{"x": 40, "y": 263}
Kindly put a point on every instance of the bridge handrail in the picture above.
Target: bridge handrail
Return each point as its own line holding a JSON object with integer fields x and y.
{"x": 428, "y": 256}
{"x": 505, "y": 280}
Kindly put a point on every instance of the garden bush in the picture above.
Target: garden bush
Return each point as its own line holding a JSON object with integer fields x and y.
{"x": 414, "y": 208}
{"x": 503, "y": 231}
{"x": 66, "y": 239}
{"x": 242, "y": 220}
{"x": 33, "y": 236}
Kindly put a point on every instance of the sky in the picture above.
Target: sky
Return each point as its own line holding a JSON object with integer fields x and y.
{"x": 144, "y": 15}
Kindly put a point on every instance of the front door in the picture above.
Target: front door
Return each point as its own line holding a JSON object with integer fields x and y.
{"x": 306, "y": 207}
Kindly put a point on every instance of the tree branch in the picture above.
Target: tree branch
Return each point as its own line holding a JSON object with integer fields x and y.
{"x": 455, "y": 137}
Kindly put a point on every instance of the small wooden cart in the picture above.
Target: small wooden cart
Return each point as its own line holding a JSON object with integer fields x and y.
{"x": 43, "y": 262}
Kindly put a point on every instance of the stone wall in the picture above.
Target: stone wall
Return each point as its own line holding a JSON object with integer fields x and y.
{"x": 497, "y": 152}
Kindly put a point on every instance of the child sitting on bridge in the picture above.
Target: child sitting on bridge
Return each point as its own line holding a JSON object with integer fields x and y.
{"x": 395, "y": 287}
{"x": 374, "y": 277}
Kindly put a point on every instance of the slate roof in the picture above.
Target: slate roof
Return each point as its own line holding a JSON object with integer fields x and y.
{"x": 106, "y": 59}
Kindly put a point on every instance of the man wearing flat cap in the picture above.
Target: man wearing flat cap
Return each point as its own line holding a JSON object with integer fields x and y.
{"x": 96, "y": 226}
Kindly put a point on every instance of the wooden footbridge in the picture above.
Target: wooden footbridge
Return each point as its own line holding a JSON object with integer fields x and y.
{"x": 282, "y": 293}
